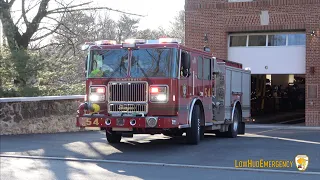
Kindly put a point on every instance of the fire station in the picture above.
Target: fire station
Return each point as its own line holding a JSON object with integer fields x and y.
{"x": 278, "y": 40}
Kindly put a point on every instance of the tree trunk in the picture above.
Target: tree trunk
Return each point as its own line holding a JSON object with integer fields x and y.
{"x": 10, "y": 30}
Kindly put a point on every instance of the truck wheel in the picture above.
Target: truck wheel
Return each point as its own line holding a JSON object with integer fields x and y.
{"x": 112, "y": 137}
{"x": 193, "y": 133}
{"x": 233, "y": 128}
{"x": 173, "y": 134}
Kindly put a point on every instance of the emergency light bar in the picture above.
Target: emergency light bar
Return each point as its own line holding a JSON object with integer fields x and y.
{"x": 106, "y": 42}
{"x": 169, "y": 40}
{"x": 135, "y": 41}
{"x": 131, "y": 43}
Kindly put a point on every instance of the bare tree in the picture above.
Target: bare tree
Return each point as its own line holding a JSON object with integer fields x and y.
{"x": 126, "y": 27}
{"x": 178, "y": 26}
{"x": 152, "y": 34}
{"x": 18, "y": 39}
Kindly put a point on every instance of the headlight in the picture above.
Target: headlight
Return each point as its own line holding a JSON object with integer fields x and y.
{"x": 97, "y": 94}
{"x": 159, "y": 93}
{"x": 96, "y": 97}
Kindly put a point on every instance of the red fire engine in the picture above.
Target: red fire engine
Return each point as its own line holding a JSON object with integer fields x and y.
{"x": 161, "y": 86}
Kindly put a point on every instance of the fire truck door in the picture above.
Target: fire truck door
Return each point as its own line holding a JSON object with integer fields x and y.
{"x": 198, "y": 76}
{"x": 185, "y": 86}
{"x": 207, "y": 88}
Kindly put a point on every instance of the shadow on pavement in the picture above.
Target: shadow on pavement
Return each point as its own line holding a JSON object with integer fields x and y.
{"x": 212, "y": 151}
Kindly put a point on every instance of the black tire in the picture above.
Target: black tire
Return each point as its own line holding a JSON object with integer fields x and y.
{"x": 202, "y": 132}
{"x": 193, "y": 133}
{"x": 112, "y": 137}
{"x": 173, "y": 134}
{"x": 242, "y": 128}
{"x": 233, "y": 128}
{"x": 221, "y": 134}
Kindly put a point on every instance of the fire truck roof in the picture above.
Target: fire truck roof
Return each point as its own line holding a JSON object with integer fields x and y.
{"x": 155, "y": 43}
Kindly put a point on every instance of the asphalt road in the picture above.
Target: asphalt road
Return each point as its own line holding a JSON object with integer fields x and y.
{"x": 156, "y": 157}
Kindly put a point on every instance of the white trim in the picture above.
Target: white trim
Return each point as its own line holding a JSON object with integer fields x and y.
{"x": 41, "y": 98}
{"x": 262, "y": 126}
{"x": 193, "y": 102}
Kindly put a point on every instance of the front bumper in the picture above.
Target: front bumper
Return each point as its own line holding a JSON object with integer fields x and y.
{"x": 161, "y": 122}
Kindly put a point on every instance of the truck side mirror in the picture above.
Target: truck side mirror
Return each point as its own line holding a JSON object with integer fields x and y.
{"x": 86, "y": 65}
{"x": 185, "y": 62}
{"x": 86, "y": 62}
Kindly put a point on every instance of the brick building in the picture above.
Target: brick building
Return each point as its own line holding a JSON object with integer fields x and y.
{"x": 296, "y": 21}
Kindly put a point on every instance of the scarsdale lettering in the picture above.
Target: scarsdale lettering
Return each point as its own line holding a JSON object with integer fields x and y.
{"x": 126, "y": 108}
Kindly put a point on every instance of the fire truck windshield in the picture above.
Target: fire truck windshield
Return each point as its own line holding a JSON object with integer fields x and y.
{"x": 154, "y": 62}
{"x": 109, "y": 63}
{"x": 149, "y": 62}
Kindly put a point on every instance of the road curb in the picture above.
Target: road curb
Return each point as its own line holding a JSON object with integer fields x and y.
{"x": 258, "y": 126}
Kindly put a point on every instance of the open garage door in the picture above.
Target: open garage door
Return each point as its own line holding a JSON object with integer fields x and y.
{"x": 277, "y": 62}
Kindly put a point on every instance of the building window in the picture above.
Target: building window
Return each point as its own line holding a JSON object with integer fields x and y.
{"x": 199, "y": 68}
{"x": 296, "y": 39}
{"x": 236, "y": 41}
{"x": 257, "y": 40}
{"x": 277, "y": 40}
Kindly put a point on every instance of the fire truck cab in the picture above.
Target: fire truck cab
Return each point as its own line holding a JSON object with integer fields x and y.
{"x": 161, "y": 86}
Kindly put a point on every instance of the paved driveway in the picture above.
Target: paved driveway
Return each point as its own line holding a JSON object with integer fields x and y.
{"x": 157, "y": 156}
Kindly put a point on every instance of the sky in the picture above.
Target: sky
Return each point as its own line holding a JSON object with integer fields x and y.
{"x": 157, "y": 12}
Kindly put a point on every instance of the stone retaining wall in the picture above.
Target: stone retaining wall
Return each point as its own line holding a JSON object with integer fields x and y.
{"x": 48, "y": 114}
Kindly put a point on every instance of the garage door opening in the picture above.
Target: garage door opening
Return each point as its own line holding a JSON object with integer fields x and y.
{"x": 278, "y": 98}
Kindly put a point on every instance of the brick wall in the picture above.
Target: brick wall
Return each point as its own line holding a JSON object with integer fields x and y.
{"x": 217, "y": 18}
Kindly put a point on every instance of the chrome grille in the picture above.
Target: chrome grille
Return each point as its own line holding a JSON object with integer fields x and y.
{"x": 128, "y": 92}
{"x": 125, "y": 108}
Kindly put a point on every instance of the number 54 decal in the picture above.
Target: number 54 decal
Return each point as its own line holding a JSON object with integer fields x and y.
{"x": 207, "y": 92}
{"x": 90, "y": 122}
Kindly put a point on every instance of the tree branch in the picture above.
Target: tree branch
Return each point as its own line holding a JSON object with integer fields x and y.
{"x": 34, "y": 25}
{"x": 29, "y": 9}
{"x": 11, "y": 3}
{"x": 64, "y": 8}
{"x": 70, "y": 40}
{"x": 51, "y": 31}
{"x": 42, "y": 47}
{"x": 23, "y": 13}
{"x": 94, "y": 8}
{"x": 47, "y": 34}
{"x": 62, "y": 25}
